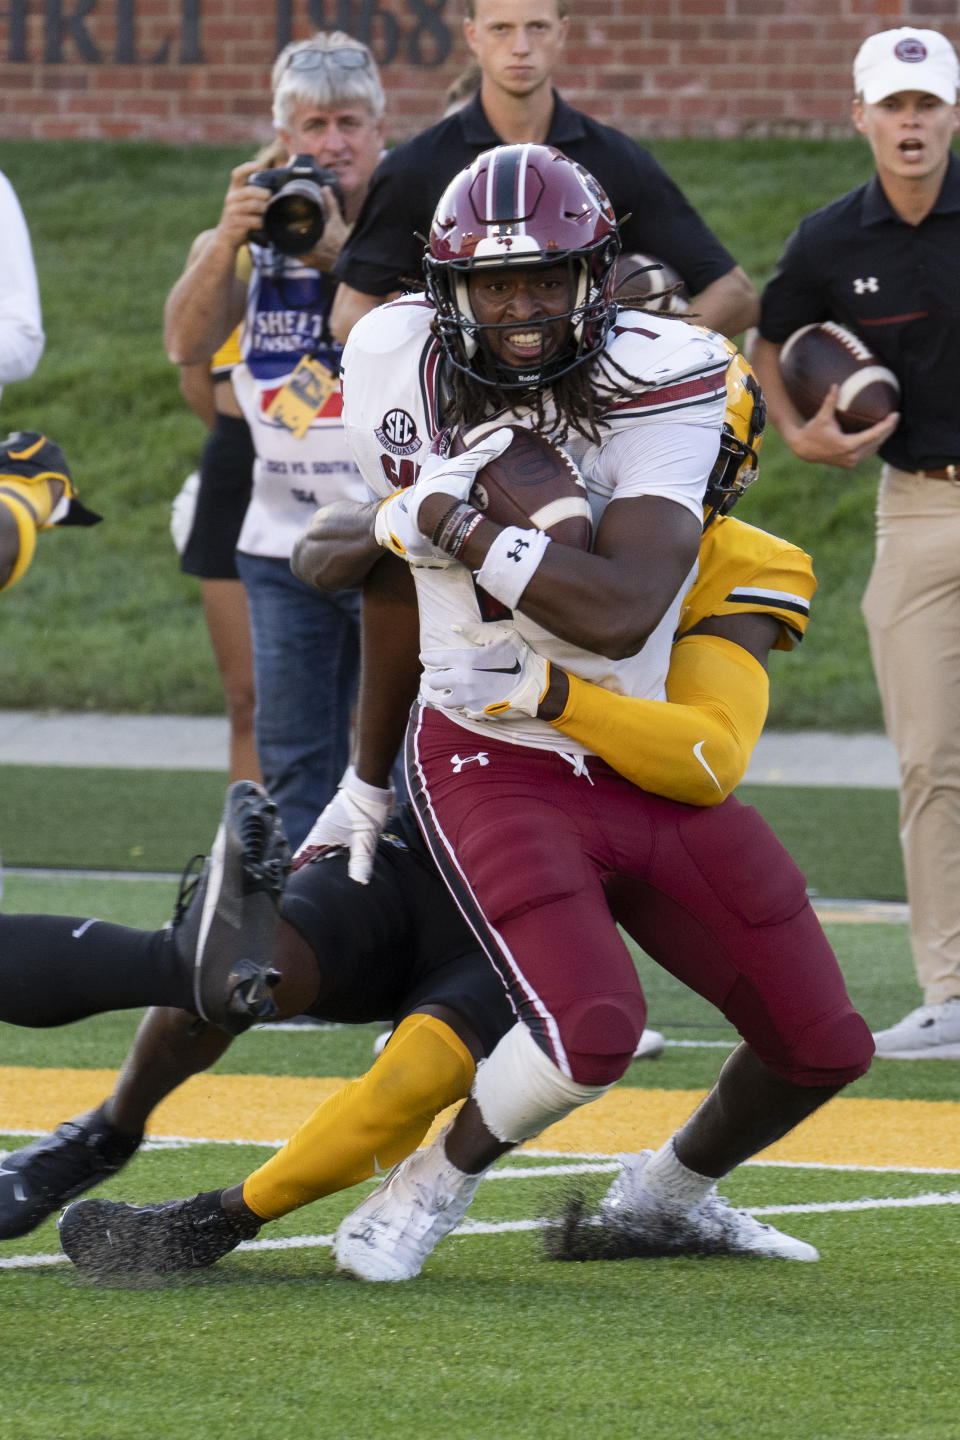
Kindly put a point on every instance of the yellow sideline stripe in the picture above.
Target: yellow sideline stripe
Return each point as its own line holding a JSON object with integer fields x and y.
{"x": 266, "y": 1107}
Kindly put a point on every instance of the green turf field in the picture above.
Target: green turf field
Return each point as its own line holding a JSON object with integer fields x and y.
{"x": 493, "y": 1340}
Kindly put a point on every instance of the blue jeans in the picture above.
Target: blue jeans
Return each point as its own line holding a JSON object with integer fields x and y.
{"x": 306, "y": 649}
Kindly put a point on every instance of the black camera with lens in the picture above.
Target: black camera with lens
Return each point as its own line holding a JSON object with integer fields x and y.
{"x": 294, "y": 219}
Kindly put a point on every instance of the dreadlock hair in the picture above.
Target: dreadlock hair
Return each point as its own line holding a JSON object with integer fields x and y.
{"x": 468, "y": 403}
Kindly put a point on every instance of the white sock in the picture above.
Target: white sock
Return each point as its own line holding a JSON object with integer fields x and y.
{"x": 435, "y": 1160}
{"x": 668, "y": 1181}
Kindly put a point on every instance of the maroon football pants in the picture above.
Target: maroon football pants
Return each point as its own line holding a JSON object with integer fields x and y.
{"x": 545, "y": 863}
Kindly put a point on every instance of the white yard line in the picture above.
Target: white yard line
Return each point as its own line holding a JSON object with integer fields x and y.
{"x": 513, "y": 1227}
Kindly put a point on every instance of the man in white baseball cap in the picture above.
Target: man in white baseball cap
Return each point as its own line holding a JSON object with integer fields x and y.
{"x": 882, "y": 260}
{"x": 906, "y": 59}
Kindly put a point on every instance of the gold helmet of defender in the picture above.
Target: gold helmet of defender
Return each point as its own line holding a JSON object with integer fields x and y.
{"x": 742, "y": 433}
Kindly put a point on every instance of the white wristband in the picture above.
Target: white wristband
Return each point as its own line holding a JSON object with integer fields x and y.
{"x": 510, "y": 563}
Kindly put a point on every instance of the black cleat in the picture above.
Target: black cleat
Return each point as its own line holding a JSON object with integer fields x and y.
{"x": 226, "y": 917}
{"x": 109, "y": 1239}
{"x": 44, "y": 1175}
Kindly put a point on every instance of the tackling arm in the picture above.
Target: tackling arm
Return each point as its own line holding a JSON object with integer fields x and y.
{"x": 338, "y": 549}
{"x": 389, "y": 668}
{"x": 697, "y": 747}
{"x": 389, "y": 677}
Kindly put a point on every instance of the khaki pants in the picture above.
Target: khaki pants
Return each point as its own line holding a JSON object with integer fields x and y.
{"x": 912, "y": 610}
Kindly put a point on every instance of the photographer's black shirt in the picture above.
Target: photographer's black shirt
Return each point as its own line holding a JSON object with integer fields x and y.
{"x": 383, "y": 253}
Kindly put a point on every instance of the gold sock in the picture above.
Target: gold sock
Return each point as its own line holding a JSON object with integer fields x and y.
{"x": 369, "y": 1125}
{"x": 37, "y": 493}
{"x": 24, "y": 517}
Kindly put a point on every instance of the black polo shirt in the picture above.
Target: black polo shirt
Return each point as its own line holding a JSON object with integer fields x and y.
{"x": 895, "y": 285}
{"x": 384, "y": 254}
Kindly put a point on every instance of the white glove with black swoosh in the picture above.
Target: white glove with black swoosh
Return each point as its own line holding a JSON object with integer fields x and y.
{"x": 353, "y": 819}
{"x": 499, "y": 678}
{"x": 397, "y": 525}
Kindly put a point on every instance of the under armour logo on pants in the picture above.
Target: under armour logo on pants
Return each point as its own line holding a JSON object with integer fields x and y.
{"x": 458, "y": 761}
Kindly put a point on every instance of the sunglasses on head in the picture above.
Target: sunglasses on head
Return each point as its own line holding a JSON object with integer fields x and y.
{"x": 346, "y": 58}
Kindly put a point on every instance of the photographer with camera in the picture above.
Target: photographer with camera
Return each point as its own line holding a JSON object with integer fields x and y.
{"x": 267, "y": 263}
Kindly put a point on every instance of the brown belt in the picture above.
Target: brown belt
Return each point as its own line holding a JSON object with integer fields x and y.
{"x": 949, "y": 472}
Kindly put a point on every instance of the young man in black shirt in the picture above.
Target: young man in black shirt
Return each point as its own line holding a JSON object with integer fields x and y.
{"x": 882, "y": 261}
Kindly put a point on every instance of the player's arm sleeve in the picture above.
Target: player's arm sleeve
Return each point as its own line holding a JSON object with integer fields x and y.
{"x": 18, "y": 538}
{"x": 695, "y": 748}
{"x": 770, "y": 577}
{"x": 21, "y": 328}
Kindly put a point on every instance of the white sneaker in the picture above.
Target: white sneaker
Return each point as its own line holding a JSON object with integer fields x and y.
{"x": 390, "y": 1234}
{"x": 713, "y": 1227}
{"x": 650, "y": 1045}
{"x": 931, "y": 1032}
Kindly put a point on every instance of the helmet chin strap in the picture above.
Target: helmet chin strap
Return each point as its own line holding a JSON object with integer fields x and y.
{"x": 461, "y": 290}
{"x": 580, "y": 299}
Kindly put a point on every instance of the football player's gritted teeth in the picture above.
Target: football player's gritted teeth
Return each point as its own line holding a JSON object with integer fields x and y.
{"x": 526, "y": 339}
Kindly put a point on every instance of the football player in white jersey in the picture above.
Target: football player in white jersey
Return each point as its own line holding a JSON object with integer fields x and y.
{"x": 543, "y": 845}
{"x": 749, "y": 584}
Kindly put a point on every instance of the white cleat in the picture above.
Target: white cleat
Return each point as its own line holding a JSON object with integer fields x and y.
{"x": 931, "y": 1032}
{"x": 713, "y": 1227}
{"x": 650, "y": 1045}
{"x": 390, "y": 1234}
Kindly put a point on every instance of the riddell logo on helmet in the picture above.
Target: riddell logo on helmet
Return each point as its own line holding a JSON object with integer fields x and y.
{"x": 910, "y": 51}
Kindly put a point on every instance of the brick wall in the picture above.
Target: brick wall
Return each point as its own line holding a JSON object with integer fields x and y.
{"x": 192, "y": 70}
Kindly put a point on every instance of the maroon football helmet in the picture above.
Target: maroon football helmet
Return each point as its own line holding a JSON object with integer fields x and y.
{"x": 522, "y": 205}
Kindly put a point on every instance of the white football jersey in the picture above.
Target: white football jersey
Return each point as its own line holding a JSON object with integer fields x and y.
{"x": 659, "y": 435}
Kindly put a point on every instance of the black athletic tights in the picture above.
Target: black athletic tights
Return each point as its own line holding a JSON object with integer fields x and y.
{"x": 57, "y": 968}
